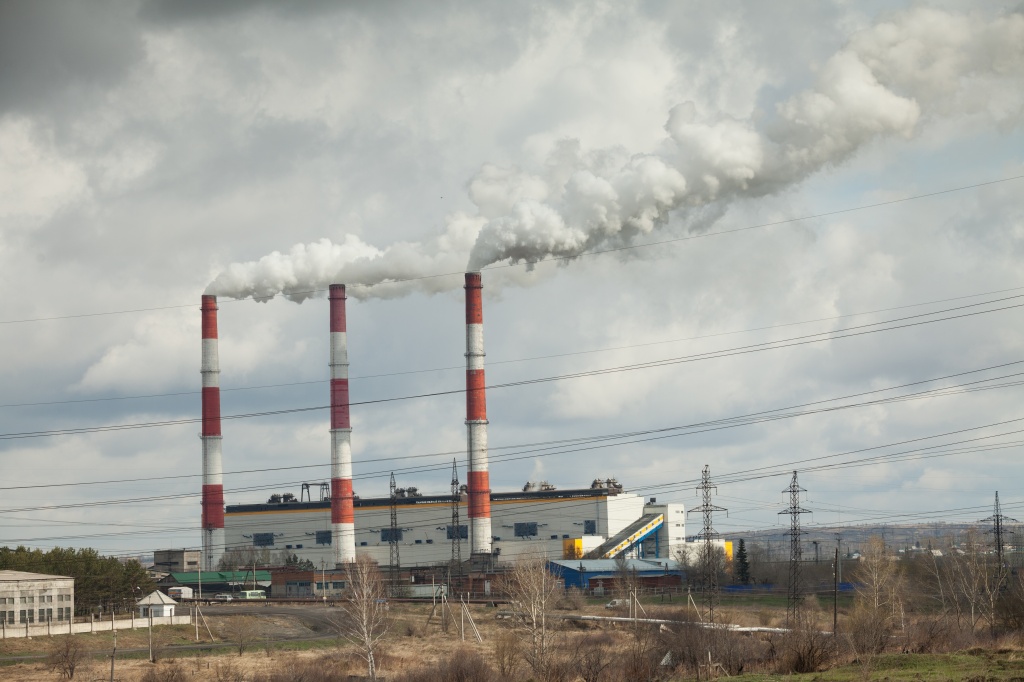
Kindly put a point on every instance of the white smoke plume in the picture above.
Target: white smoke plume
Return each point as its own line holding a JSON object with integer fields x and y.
{"x": 919, "y": 64}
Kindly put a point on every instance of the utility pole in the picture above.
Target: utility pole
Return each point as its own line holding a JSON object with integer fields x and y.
{"x": 323, "y": 581}
{"x": 795, "y": 549}
{"x": 835, "y": 595}
{"x": 393, "y": 537}
{"x": 113, "y": 656}
{"x": 839, "y": 553}
{"x": 709, "y": 563}
{"x": 456, "y": 561}
{"x": 997, "y": 520}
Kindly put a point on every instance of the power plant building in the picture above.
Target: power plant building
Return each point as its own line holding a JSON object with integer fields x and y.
{"x": 552, "y": 523}
{"x": 599, "y": 521}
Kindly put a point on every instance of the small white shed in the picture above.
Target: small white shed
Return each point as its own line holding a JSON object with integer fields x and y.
{"x": 156, "y": 604}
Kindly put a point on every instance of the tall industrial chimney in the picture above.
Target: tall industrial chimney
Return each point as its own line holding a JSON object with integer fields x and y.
{"x": 476, "y": 420}
{"x": 213, "y": 482}
{"x": 343, "y": 530}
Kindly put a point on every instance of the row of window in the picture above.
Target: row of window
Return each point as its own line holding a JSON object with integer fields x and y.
{"x": 323, "y": 537}
{"x": 31, "y": 599}
{"x": 29, "y": 615}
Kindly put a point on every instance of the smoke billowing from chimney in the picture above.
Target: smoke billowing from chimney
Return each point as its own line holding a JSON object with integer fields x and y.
{"x": 917, "y": 64}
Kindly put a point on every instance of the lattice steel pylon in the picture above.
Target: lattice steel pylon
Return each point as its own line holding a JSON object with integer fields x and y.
{"x": 708, "y": 555}
{"x": 456, "y": 562}
{"x": 998, "y": 532}
{"x": 394, "y": 566}
{"x": 794, "y": 510}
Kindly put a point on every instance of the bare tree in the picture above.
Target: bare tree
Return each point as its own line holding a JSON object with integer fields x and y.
{"x": 364, "y": 616}
{"x": 626, "y": 578}
{"x": 595, "y": 657}
{"x": 66, "y": 654}
{"x": 533, "y": 592}
{"x": 878, "y": 609}
{"x": 243, "y": 631}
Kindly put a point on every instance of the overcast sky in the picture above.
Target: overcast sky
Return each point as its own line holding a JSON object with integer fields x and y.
{"x": 777, "y": 170}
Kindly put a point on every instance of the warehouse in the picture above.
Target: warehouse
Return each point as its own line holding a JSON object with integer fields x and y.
{"x": 36, "y": 597}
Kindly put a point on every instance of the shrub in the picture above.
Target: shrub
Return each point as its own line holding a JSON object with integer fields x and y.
{"x": 465, "y": 665}
{"x": 66, "y": 656}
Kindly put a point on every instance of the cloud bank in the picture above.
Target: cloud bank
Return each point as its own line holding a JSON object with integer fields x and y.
{"x": 919, "y": 64}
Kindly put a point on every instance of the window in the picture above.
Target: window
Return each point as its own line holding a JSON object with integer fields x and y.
{"x": 590, "y": 527}
{"x": 42, "y": 615}
{"x": 22, "y": 616}
{"x": 262, "y": 539}
{"x": 338, "y": 585}
{"x": 385, "y": 535}
{"x": 10, "y": 617}
{"x": 49, "y": 599}
{"x": 463, "y": 532}
{"x": 526, "y": 530}
{"x": 323, "y": 537}
{"x": 49, "y": 614}
{"x": 31, "y": 616}
{"x": 60, "y": 613}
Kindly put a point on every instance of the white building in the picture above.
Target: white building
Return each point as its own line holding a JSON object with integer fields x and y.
{"x": 156, "y": 604}
{"x": 36, "y": 597}
{"x": 534, "y": 521}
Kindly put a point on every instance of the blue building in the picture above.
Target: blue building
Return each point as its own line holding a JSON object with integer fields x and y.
{"x": 601, "y": 574}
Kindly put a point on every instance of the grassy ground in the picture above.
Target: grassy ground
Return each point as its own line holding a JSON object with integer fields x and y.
{"x": 974, "y": 666}
{"x": 413, "y": 643}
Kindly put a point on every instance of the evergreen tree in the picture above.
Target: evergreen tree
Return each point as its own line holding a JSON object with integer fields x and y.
{"x": 100, "y": 582}
{"x": 742, "y": 564}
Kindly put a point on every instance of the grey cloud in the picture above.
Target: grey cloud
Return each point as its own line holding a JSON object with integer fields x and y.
{"x": 61, "y": 52}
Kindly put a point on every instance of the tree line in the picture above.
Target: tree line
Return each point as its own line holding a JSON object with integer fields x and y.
{"x": 100, "y": 581}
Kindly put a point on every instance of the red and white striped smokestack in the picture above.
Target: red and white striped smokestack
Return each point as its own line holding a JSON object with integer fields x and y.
{"x": 476, "y": 420}
{"x": 343, "y": 529}
{"x": 213, "y": 483}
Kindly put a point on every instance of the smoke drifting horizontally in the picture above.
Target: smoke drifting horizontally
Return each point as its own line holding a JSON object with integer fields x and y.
{"x": 920, "y": 63}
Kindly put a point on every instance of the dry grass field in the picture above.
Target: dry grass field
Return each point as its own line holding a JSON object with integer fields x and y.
{"x": 297, "y": 646}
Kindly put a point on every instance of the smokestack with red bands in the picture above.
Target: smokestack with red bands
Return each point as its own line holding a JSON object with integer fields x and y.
{"x": 343, "y": 533}
{"x": 476, "y": 420}
{"x": 213, "y": 482}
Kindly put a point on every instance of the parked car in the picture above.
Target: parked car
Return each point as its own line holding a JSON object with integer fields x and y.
{"x": 615, "y": 603}
{"x": 222, "y": 597}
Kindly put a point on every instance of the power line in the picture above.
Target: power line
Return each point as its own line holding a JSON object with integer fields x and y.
{"x": 740, "y": 350}
{"x": 739, "y": 420}
{"x": 511, "y": 360}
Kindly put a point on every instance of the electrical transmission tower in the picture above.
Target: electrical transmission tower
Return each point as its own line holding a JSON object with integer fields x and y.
{"x": 394, "y": 565}
{"x": 456, "y": 563}
{"x": 708, "y": 553}
{"x": 795, "y": 552}
{"x": 998, "y": 531}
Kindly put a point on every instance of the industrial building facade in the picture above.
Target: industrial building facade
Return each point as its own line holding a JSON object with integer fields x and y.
{"x": 536, "y": 522}
{"x": 27, "y": 598}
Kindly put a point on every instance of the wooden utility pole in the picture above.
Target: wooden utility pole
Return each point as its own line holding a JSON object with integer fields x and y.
{"x": 835, "y": 595}
{"x": 113, "y": 655}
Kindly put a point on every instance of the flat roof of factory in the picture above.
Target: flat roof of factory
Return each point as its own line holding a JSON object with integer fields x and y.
{"x": 385, "y": 502}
